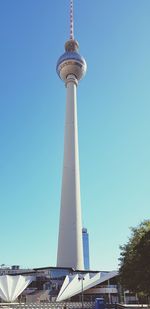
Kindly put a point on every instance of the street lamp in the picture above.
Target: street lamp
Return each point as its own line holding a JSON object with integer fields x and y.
{"x": 81, "y": 277}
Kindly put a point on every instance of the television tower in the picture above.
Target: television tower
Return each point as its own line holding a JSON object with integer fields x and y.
{"x": 71, "y": 67}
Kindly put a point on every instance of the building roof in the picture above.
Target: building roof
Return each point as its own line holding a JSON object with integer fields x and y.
{"x": 11, "y": 287}
{"x": 72, "y": 283}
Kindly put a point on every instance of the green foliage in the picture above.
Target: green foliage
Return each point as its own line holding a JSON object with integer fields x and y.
{"x": 135, "y": 260}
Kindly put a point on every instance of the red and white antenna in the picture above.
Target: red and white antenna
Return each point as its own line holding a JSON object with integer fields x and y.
{"x": 71, "y": 21}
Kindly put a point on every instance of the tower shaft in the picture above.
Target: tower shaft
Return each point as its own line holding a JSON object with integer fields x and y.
{"x": 70, "y": 248}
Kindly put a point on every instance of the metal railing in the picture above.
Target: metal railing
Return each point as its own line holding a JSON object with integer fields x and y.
{"x": 49, "y": 305}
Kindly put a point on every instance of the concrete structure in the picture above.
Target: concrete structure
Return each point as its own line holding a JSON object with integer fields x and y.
{"x": 72, "y": 285}
{"x": 51, "y": 283}
{"x": 12, "y": 286}
{"x": 86, "y": 254}
{"x": 71, "y": 67}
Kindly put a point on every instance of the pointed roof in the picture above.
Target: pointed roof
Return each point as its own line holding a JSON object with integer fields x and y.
{"x": 72, "y": 285}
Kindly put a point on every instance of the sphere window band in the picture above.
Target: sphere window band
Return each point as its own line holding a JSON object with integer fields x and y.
{"x": 69, "y": 65}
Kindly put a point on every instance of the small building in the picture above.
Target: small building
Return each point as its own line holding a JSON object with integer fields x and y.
{"x": 86, "y": 255}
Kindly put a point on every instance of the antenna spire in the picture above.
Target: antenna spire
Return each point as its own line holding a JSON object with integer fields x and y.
{"x": 71, "y": 21}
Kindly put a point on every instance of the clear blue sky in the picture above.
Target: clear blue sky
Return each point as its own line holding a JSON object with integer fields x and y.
{"x": 114, "y": 125}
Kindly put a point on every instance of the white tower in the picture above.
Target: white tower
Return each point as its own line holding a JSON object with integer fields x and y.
{"x": 71, "y": 67}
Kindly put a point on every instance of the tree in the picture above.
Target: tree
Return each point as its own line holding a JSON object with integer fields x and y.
{"x": 135, "y": 260}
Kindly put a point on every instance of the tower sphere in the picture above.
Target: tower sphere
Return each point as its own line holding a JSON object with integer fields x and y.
{"x": 71, "y": 63}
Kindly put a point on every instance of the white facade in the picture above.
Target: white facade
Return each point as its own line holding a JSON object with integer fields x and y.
{"x": 70, "y": 248}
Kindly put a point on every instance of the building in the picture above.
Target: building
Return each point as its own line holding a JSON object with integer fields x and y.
{"x": 71, "y": 67}
{"x": 63, "y": 285}
{"x": 86, "y": 254}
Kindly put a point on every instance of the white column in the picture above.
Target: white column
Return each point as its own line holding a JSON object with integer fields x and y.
{"x": 70, "y": 248}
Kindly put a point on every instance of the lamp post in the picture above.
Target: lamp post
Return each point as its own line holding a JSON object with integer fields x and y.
{"x": 81, "y": 277}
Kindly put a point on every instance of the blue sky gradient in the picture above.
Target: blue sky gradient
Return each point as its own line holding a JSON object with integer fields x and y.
{"x": 114, "y": 125}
